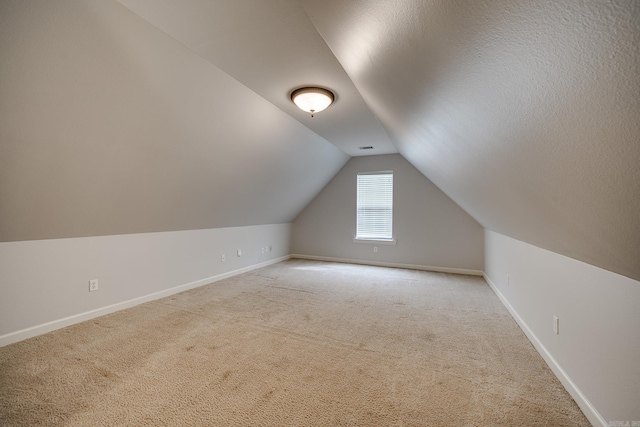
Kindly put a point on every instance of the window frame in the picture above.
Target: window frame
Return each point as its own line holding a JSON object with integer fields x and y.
{"x": 377, "y": 240}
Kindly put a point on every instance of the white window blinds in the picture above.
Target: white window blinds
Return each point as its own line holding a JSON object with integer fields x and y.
{"x": 375, "y": 206}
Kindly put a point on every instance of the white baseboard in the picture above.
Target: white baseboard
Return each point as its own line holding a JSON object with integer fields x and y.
{"x": 33, "y": 331}
{"x": 391, "y": 264}
{"x": 587, "y": 408}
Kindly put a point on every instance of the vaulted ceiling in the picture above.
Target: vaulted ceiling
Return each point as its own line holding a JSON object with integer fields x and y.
{"x": 525, "y": 112}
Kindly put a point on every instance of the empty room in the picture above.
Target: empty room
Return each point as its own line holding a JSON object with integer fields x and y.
{"x": 320, "y": 213}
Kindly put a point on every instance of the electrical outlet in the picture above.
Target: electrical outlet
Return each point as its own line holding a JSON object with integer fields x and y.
{"x": 261, "y": 250}
{"x": 239, "y": 252}
{"x": 375, "y": 249}
{"x": 93, "y": 285}
{"x": 556, "y": 325}
{"x": 223, "y": 258}
{"x": 270, "y": 248}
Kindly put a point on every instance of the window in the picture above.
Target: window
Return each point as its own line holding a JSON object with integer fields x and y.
{"x": 375, "y": 206}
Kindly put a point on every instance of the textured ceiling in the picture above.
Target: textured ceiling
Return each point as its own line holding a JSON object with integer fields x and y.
{"x": 526, "y": 113}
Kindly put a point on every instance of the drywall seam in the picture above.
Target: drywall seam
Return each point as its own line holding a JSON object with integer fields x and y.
{"x": 33, "y": 331}
{"x": 587, "y": 408}
{"x": 391, "y": 264}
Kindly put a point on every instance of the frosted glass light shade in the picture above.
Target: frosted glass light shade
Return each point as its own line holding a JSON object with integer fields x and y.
{"x": 312, "y": 99}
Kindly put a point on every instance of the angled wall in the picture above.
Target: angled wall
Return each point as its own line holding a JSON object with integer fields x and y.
{"x": 109, "y": 126}
{"x": 430, "y": 229}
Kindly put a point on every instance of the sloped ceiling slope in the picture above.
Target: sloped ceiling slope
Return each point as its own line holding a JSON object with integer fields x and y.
{"x": 526, "y": 113}
{"x": 272, "y": 47}
{"x": 109, "y": 126}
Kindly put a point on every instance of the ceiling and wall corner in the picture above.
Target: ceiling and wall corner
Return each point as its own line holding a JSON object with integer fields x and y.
{"x": 526, "y": 113}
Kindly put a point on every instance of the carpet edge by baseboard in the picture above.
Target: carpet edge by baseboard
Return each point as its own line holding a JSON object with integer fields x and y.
{"x": 587, "y": 408}
{"x": 23, "y": 334}
{"x": 390, "y": 264}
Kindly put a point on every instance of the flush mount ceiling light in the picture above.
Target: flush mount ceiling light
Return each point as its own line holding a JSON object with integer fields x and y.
{"x": 312, "y": 99}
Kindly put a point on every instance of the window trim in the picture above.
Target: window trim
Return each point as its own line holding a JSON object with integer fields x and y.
{"x": 378, "y": 241}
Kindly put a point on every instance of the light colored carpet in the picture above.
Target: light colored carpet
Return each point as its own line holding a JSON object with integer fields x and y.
{"x": 300, "y": 343}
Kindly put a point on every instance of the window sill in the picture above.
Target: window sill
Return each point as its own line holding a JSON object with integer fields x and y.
{"x": 376, "y": 241}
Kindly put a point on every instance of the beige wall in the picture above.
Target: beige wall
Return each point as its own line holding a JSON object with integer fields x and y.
{"x": 431, "y": 230}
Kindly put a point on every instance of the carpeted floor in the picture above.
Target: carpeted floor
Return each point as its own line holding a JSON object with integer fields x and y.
{"x": 300, "y": 343}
